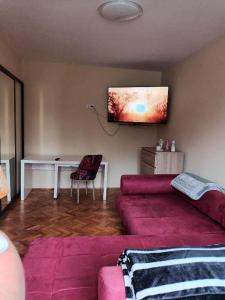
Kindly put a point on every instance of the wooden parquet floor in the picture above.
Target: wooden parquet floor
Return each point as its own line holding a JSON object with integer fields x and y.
{"x": 41, "y": 216}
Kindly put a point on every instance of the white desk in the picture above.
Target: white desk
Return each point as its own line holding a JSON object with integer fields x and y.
{"x": 9, "y": 164}
{"x": 65, "y": 161}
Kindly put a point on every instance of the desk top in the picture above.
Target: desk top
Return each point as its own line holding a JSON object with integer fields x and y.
{"x": 6, "y": 157}
{"x": 50, "y": 159}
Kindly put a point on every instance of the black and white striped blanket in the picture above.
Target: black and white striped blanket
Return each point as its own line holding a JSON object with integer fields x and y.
{"x": 174, "y": 273}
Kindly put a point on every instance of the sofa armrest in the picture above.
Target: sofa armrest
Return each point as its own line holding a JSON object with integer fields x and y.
{"x": 111, "y": 284}
{"x": 146, "y": 184}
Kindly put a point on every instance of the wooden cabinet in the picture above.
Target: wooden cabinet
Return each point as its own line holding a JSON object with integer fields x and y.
{"x": 153, "y": 162}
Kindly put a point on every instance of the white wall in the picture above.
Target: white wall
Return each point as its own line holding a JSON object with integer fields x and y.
{"x": 9, "y": 59}
{"x": 56, "y": 121}
{"x": 197, "y": 114}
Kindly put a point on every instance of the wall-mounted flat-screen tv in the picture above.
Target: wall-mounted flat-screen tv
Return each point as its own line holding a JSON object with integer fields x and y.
{"x": 138, "y": 105}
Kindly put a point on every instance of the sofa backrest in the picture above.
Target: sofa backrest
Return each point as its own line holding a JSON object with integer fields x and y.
{"x": 211, "y": 203}
{"x": 146, "y": 184}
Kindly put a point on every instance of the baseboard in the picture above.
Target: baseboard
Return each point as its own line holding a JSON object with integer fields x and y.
{"x": 110, "y": 189}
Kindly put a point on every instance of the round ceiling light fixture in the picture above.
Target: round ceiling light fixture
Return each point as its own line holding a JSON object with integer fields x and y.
{"x": 120, "y": 10}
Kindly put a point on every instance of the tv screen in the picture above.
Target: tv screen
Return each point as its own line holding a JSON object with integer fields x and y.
{"x": 138, "y": 105}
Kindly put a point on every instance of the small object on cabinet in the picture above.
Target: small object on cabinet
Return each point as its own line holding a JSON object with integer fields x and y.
{"x": 173, "y": 146}
{"x": 161, "y": 162}
{"x": 167, "y": 146}
{"x": 159, "y": 146}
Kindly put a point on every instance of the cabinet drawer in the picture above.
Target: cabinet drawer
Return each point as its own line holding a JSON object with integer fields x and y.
{"x": 147, "y": 169}
{"x": 148, "y": 157}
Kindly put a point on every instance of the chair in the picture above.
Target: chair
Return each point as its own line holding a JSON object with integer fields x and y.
{"x": 86, "y": 171}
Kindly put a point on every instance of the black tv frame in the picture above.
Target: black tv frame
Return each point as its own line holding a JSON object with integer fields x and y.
{"x": 140, "y": 123}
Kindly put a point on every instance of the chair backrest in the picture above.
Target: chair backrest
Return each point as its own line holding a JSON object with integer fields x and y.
{"x": 91, "y": 164}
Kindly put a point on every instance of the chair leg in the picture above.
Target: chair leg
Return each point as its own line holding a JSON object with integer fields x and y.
{"x": 78, "y": 193}
{"x": 71, "y": 188}
{"x": 93, "y": 183}
{"x": 86, "y": 188}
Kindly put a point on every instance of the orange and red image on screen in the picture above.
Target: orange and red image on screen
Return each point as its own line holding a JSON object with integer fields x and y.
{"x": 138, "y": 104}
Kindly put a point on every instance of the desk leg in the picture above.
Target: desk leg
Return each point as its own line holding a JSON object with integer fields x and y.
{"x": 8, "y": 178}
{"x": 105, "y": 182}
{"x": 26, "y": 179}
{"x": 56, "y": 182}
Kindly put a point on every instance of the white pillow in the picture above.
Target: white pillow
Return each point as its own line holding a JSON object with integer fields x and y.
{"x": 194, "y": 186}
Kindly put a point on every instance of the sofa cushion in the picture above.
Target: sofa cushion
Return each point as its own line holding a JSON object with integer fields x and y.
{"x": 67, "y": 268}
{"x": 131, "y": 207}
{"x": 146, "y": 184}
{"x": 158, "y": 205}
{"x": 56, "y": 268}
{"x": 211, "y": 204}
{"x": 171, "y": 225}
{"x": 163, "y": 214}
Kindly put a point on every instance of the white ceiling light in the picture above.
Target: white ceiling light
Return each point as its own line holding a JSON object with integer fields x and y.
{"x": 120, "y": 10}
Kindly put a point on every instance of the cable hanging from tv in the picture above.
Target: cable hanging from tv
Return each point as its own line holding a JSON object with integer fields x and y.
{"x": 98, "y": 117}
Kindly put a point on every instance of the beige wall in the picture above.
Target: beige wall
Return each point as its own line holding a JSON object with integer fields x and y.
{"x": 9, "y": 59}
{"x": 57, "y": 122}
{"x": 197, "y": 118}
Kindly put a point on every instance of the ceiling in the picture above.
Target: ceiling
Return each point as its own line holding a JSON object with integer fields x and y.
{"x": 72, "y": 31}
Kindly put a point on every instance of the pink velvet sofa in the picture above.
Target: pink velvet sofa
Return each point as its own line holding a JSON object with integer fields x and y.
{"x": 154, "y": 214}
{"x": 148, "y": 205}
